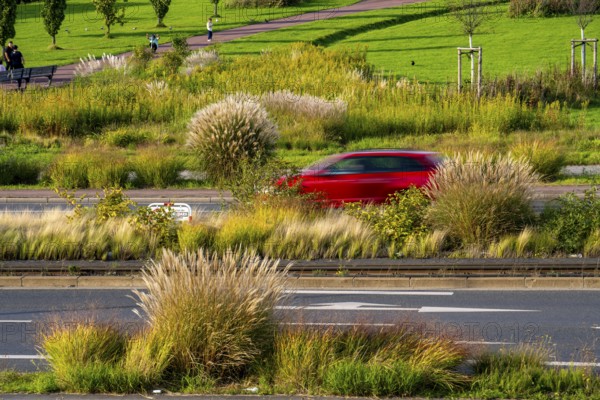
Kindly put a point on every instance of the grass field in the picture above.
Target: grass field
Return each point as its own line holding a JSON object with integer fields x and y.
{"x": 428, "y": 36}
{"x": 82, "y": 31}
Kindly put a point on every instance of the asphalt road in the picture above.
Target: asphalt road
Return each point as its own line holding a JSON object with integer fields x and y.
{"x": 568, "y": 322}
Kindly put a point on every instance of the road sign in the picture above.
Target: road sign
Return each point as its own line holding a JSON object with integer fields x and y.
{"x": 180, "y": 211}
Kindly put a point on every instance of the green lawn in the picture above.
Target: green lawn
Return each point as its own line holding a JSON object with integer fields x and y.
{"x": 82, "y": 34}
{"x": 395, "y": 37}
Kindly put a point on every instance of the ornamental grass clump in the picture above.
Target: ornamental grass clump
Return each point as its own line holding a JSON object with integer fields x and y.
{"x": 226, "y": 133}
{"x": 305, "y": 105}
{"x": 216, "y": 312}
{"x": 85, "y": 356}
{"x": 479, "y": 198}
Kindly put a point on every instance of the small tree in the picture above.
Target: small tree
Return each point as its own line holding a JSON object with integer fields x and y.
{"x": 111, "y": 13}
{"x": 161, "y": 8}
{"x": 53, "y": 13}
{"x": 470, "y": 14}
{"x": 216, "y": 11}
{"x": 584, "y": 10}
{"x": 8, "y": 17}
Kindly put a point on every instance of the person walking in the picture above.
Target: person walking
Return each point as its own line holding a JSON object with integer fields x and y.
{"x": 209, "y": 28}
{"x": 16, "y": 58}
{"x": 153, "y": 41}
{"x": 7, "y": 53}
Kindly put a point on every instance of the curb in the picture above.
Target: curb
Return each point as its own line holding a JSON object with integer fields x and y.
{"x": 413, "y": 283}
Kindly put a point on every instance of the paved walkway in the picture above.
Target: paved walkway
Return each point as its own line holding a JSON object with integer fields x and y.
{"x": 65, "y": 73}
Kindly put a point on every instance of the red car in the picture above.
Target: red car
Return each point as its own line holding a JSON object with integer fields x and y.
{"x": 369, "y": 175}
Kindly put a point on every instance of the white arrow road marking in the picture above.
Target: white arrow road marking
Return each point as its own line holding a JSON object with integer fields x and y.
{"x": 15, "y": 321}
{"x": 473, "y": 310}
{"x": 21, "y": 357}
{"x": 355, "y": 306}
{"x": 381, "y": 292}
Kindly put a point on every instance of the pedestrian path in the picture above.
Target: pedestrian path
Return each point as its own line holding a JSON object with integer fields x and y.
{"x": 65, "y": 73}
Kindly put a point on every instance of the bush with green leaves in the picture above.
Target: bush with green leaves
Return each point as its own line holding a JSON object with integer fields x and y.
{"x": 400, "y": 217}
{"x": 572, "y": 220}
{"x": 226, "y": 133}
{"x": 479, "y": 198}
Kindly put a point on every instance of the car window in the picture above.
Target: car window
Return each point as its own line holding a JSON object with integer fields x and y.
{"x": 394, "y": 164}
{"x": 353, "y": 165}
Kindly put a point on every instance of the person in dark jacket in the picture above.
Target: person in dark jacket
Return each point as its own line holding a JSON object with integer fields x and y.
{"x": 7, "y": 53}
{"x": 16, "y": 58}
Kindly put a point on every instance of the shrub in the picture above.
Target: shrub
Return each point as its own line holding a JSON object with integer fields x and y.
{"x": 543, "y": 157}
{"x": 147, "y": 358}
{"x": 19, "y": 169}
{"x": 192, "y": 237}
{"x": 84, "y": 169}
{"x": 572, "y": 220}
{"x": 538, "y": 8}
{"x": 305, "y": 106}
{"x": 84, "y": 356}
{"x": 225, "y": 133}
{"x": 402, "y": 215}
{"x": 124, "y": 137}
{"x": 216, "y": 312}
{"x": 479, "y": 198}
{"x": 200, "y": 59}
{"x": 156, "y": 167}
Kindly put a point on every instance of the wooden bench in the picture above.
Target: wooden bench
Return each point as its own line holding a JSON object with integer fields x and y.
{"x": 27, "y": 74}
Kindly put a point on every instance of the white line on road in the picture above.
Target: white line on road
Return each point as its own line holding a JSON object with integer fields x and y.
{"x": 483, "y": 343}
{"x": 595, "y": 327}
{"x": 21, "y": 357}
{"x": 458, "y": 309}
{"x": 571, "y": 364}
{"x": 15, "y": 321}
{"x": 381, "y": 292}
{"x": 334, "y": 324}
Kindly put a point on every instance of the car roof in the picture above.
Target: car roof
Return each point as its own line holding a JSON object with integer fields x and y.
{"x": 388, "y": 152}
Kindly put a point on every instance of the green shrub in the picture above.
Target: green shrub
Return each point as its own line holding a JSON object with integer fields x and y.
{"x": 85, "y": 356}
{"x": 538, "y": 8}
{"x": 479, "y": 198}
{"x": 216, "y": 312}
{"x": 224, "y": 134}
{"x": 402, "y": 215}
{"x": 84, "y": 168}
{"x": 19, "y": 169}
{"x": 543, "y": 157}
{"x": 572, "y": 220}
{"x": 192, "y": 237}
{"x": 157, "y": 167}
{"x": 124, "y": 137}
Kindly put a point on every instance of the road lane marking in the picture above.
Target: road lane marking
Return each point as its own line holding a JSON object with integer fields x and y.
{"x": 486, "y": 343}
{"x": 382, "y": 292}
{"x": 15, "y": 321}
{"x": 333, "y": 324}
{"x": 473, "y": 310}
{"x": 595, "y": 327}
{"x": 571, "y": 364}
{"x": 21, "y": 357}
{"x": 356, "y": 306}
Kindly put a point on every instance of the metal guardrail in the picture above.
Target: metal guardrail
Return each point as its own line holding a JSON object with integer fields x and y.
{"x": 370, "y": 267}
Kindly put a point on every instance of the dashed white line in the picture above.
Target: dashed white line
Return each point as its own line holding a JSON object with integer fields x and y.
{"x": 15, "y": 321}
{"x": 21, "y": 357}
{"x": 333, "y": 324}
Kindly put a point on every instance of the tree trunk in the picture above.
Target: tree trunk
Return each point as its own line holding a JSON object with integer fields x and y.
{"x": 54, "y": 40}
{"x": 583, "y": 51}
{"x": 216, "y": 10}
{"x": 471, "y": 55}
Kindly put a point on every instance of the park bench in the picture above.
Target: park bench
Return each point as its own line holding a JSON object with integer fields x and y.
{"x": 27, "y": 74}
{"x": 41, "y": 72}
{"x": 13, "y": 75}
